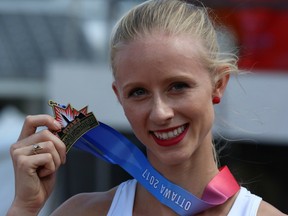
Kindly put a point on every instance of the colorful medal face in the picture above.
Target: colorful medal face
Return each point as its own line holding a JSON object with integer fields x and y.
{"x": 74, "y": 123}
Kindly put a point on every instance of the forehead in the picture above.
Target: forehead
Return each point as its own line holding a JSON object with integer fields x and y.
{"x": 161, "y": 49}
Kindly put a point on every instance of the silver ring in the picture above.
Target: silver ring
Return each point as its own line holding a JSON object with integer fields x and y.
{"x": 35, "y": 148}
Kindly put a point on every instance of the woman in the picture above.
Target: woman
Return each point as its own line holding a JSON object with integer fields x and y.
{"x": 168, "y": 75}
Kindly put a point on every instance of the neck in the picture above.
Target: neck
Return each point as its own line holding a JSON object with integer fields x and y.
{"x": 194, "y": 180}
{"x": 193, "y": 175}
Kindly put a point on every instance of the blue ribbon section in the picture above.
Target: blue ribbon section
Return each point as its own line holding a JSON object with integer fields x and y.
{"x": 111, "y": 146}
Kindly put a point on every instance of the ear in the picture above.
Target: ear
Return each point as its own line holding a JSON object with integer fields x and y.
{"x": 115, "y": 89}
{"x": 220, "y": 86}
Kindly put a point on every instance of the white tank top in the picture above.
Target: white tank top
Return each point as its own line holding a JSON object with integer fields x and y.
{"x": 246, "y": 204}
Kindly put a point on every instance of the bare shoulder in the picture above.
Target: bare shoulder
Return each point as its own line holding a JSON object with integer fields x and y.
{"x": 266, "y": 209}
{"x": 96, "y": 203}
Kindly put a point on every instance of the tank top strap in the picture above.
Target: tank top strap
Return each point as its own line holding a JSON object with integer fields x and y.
{"x": 246, "y": 204}
{"x": 123, "y": 201}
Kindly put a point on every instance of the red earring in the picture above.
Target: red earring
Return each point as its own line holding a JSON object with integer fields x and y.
{"x": 216, "y": 100}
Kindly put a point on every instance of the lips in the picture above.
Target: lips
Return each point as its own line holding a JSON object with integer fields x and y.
{"x": 170, "y": 136}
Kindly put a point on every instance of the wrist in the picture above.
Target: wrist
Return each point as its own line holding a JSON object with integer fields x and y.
{"x": 13, "y": 211}
{"x": 16, "y": 210}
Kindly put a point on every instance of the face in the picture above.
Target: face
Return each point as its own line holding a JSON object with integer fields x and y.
{"x": 166, "y": 94}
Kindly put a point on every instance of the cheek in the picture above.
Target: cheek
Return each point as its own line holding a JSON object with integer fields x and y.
{"x": 206, "y": 114}
{"x": 133, "y": 114}
{"x": 200, "y": 108}
{"x": 136, "y": 115}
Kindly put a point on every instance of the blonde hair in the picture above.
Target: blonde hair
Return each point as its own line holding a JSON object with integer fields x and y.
{"x": 174, "y": 17}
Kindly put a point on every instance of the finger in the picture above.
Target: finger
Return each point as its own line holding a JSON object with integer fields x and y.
{"x": 51, "y": 143}
{"x": 36, "y": 148}
{"x": 40, "y": 165}
{"x": 48, "y": 166}
{"x": 49, "y": 148}
{"x": 32, "y": 122}
{"x": 39, "y": 149}
{"x": 29, "y": 150}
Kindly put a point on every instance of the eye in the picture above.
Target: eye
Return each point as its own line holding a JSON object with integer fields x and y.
{"x": 137, "y": 92}
{"x": 179, "y": 86}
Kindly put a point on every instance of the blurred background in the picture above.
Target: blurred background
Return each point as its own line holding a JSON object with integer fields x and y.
{"x": 58, "y": 49}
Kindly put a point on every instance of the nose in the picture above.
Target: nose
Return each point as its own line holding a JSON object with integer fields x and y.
{"x": 161, "y": 111}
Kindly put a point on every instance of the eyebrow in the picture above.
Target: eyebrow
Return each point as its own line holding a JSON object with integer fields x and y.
{"x": 166, "y": 80}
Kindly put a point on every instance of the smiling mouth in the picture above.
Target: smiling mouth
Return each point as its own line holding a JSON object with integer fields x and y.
{"x": 171, "y": 136}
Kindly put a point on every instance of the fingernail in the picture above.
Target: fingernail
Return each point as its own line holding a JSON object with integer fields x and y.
{"x": 57, "y": 124}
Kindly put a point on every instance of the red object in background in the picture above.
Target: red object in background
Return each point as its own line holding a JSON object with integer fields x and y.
{"x": 262, "y": 36}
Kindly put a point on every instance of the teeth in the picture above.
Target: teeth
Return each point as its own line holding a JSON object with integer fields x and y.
{"x": 170, "y": 134}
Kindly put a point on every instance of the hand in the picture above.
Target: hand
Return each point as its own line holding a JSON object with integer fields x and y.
{"x": 36, "y": 157}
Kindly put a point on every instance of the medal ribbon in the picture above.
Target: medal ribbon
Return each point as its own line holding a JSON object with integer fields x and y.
{"x": 111, "y": 146}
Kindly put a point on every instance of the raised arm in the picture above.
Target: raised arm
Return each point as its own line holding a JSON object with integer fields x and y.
{"x": 36, "y": 157}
